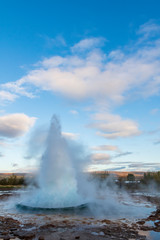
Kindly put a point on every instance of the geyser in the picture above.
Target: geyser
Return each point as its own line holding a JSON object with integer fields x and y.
{"x": 62, "y": 187}
{"x": 57, "y": 177}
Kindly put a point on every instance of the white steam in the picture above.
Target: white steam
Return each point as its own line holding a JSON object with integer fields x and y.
{"x": 61, "y": 181}
{"x": 59, "y": 172}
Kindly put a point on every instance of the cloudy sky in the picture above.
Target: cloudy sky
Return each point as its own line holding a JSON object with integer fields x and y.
{"x": 96, "y": 65}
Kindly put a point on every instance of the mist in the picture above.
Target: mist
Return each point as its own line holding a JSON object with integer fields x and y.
{"x": 62, "y": 181}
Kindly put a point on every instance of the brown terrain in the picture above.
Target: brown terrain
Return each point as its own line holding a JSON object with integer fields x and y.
{"x": 63, "y": 227}
{"x": 114, "y": 173}
{"x": 6, "y": 175}
{"x": 40, "y": 226}
{"x": 117, "y": 174}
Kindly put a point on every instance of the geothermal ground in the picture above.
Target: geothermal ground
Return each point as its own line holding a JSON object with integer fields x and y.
{"x": 111, "y": 213}
{"x": 18, "y": 224}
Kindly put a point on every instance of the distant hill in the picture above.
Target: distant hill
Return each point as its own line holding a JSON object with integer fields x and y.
{"x": 6, "y": 175}
{"x": 114, "y": 173}
{"x": 120, "y": 174}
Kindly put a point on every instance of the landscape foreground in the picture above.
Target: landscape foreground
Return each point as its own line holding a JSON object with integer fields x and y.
{"x": 65, "y": 203}
{"x": 140, "y": 221}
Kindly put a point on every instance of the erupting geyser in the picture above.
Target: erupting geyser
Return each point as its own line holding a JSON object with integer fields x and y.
{"x": 57, "y": 178}
{"x": 62, "y": 186}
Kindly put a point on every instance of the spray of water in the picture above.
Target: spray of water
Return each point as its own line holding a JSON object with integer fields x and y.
{"x": 57, "y": 178}
{"x": 62, "y": 184}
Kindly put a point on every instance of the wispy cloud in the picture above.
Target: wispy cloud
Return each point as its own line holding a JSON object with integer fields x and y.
{"x": 113, "y": 126}
{"x": 144, "y": 166}
{"x": 15, "y": 125}
{"x": 105, "y": 148}
{"x": 6, "y": 96}
{"x": 157, "y": 142}
{"x": 155, "y": 131}
{"x": 138, "y": 166}
{"x": 12, "y": 90}
{"x": 74, "y": 112}
{"x": 51, "y": 42}
{"x": 115, "y": 168}
{"x": 96, "y": 75}
{"x": 122, "y": 154}
{"x": 88, "y": 44}
{"x": 69, "y": 135}
{"x": 100, "y": 158}
{"x": 89, "y": 73}
{"x": 148, "y": 30}
{"x": 57, "y": 41}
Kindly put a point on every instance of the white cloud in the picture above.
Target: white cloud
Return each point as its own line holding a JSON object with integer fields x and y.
{"x": 100, "y": 158}
{"x": 123, "y": 154}
{"x": 74, "y": 112}
{"x": 12, "y": 90}
{"x": 144, "y": 166}
{"x": 15, "y": 125}
{"x": 113, "y": 126}
{"x": 52, "y": 62}
{"x": 58, "y": 41}
{"x": 94, "y": 75}
{"x": 149, "y": 29}
{"x": 68, "y": 135}
{"x": 88, "y": 43}
{"x": 105, "y": 148}
{"x": 7, "y": 96}
{"x": 105, "y": 79}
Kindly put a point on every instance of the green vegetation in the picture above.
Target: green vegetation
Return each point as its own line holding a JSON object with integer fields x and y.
{"x": 151, "y": 177}
{"x": 12, "y": 180}
{"x": 129, "y": 182}
{"x": 131, "y": 177}
{"x": 100, "y": 177}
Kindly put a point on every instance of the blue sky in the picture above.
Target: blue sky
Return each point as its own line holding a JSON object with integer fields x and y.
{"x": 96, "y": 64}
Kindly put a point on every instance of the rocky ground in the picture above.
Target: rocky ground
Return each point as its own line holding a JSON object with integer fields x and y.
{"x": 67, "y": 228}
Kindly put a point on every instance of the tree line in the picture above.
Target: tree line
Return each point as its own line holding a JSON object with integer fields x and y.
{"x": 147, "y": 178}
{"x": 150, "y": 177}
{"x": 12, "y": 180}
